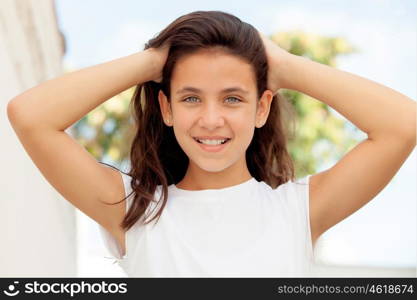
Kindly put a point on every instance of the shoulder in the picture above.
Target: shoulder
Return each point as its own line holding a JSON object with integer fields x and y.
{"x": 297, "y": 189}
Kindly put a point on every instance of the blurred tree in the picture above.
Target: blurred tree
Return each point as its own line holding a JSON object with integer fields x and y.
{"x": 321, "y": 137}
{"x": 107, "y": 131}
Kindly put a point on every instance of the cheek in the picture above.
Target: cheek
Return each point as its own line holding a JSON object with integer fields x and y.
{"x": 245, "y": 134}
{"x": 242, "y": 126}
{"x": 183, "y": 123}
{"x": 182, "y": 128}
{"x": 243, "y": 121}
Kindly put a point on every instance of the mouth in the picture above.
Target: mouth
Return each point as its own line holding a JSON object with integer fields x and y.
{"x": 212, "y": 142}
{"x": 212, "y": 145}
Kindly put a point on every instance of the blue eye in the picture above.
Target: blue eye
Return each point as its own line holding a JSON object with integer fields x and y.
{"x": 237, "y": 100}
{"x": 189, "y": 98}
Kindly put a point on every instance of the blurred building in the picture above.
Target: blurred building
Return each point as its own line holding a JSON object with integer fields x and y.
{"x": 37, "y": 225}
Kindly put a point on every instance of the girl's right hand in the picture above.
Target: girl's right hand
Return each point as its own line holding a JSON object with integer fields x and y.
{"x": 277, "y": 58}
{"x": 159, "y": 57}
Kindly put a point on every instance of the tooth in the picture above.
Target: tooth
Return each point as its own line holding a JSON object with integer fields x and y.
{"x": 212, "y": 142}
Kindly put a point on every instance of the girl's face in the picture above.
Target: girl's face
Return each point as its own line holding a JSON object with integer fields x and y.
{"x": 213, "y": 97}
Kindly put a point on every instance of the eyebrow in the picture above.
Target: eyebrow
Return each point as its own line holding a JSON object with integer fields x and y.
{"x": 226, "y": 90}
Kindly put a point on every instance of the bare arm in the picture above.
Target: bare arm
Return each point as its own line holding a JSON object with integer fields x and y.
{"x": 387, "y": 116}
{"x": 374, "y": 108}
{"x": 60, "y": 102}
{"x": 40, "y": 115}
{"x": 389, "y": 119}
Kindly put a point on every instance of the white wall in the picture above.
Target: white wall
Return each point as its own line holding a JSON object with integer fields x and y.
{"x": 37, "y": 226}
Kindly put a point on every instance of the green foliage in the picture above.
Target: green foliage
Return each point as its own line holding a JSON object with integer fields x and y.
{"x": 107, "y": 131}
{"x": 321, "y": 136}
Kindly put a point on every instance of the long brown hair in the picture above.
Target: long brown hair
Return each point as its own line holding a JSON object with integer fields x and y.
{"x": 155, "y": 155}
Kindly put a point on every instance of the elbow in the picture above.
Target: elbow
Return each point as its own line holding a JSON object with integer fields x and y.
{"x": 17, "y": 115}
{"x": 408, "y": 129}
{"x": 409, "y": 136}
{"x": 412, "y": 127}
{"x": 412, "y": 140}
{"x": 11, "y": 111}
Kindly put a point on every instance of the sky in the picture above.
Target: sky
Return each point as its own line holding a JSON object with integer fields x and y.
{"x": 383, "y": 232}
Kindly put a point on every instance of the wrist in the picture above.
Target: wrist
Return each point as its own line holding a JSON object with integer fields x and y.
{"x": 285, "y": 70}
{"x": 153, "y": 64}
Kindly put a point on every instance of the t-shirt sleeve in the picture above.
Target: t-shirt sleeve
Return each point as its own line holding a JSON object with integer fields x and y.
{"x": 110, "y": 243}
{"x": 302, "y": 205}
{"x": 296, "y": 195}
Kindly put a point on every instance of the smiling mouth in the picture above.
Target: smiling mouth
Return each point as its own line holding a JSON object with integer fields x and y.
{"x": 212, "y": 142}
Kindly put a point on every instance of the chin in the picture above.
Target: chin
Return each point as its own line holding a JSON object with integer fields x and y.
{"x": 213, "y": 169}
{"x": 213, "y": 166}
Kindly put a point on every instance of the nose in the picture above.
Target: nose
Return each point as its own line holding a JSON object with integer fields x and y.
{"x": 211, "y": 117}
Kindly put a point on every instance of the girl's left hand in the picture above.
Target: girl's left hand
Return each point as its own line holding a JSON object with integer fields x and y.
{"x": 276, "y": 59}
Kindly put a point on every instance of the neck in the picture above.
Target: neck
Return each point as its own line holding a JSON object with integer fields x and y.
{"x": 199, "y": 179}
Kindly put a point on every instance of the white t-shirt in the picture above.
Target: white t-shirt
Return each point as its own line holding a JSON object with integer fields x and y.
{"x": 246, "y": 230}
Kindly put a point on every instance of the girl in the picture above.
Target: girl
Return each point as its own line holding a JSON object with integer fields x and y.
{"x": 209, "y": 164}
